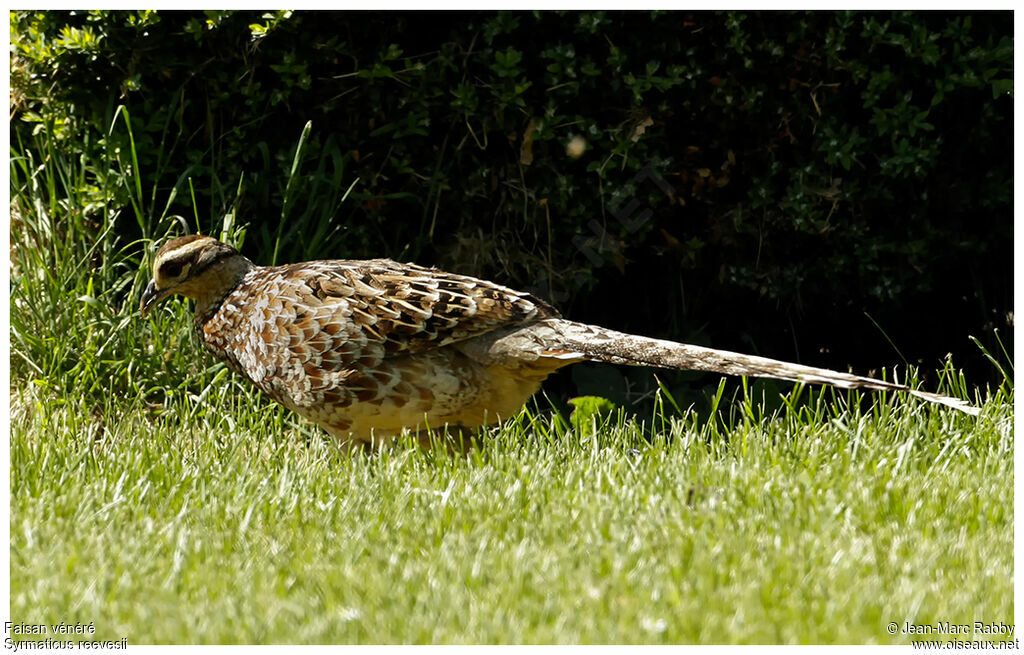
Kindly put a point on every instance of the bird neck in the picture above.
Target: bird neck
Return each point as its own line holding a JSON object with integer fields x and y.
{"x": 216, "y": 283}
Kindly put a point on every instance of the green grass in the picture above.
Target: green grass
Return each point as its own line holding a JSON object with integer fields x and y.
{"x": 818, "y": 525}
{"x": 161, "y": 499}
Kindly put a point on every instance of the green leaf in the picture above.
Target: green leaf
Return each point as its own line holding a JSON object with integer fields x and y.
{"x": 588, "y": 408}
{"x": 1002, "y": 87}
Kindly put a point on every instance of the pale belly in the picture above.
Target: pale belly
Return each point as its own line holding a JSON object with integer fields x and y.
{"x": 429, "y": 391}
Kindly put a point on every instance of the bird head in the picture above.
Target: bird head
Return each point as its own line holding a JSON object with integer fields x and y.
{"x": 194, "y": 266}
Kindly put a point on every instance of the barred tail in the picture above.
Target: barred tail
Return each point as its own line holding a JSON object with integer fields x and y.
{"x": 569, "y": 340}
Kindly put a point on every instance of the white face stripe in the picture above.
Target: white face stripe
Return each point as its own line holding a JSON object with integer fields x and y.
{"x": 186, "y": 251}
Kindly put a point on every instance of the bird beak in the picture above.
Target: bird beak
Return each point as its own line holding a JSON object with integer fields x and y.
{"x": 151, "y": 296}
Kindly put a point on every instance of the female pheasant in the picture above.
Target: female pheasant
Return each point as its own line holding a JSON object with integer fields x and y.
{"x": 366, "y": 349}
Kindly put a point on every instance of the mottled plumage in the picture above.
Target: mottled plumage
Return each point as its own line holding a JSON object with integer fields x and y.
{"x": 368, "y": 348}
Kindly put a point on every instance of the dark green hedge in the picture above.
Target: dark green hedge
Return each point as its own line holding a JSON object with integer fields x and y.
{"x": 756, "y": 181}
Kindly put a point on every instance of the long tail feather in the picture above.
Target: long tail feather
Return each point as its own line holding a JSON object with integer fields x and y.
{"x": 575, "y": 341}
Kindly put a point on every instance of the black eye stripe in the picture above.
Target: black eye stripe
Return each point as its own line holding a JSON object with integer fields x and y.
{"x": 193, "y": 261}
{"x": 170, "y": 269}
{"x": 204, "y": 263}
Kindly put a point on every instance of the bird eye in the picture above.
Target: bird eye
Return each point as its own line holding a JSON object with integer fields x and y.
{"x": 170, "y": 269}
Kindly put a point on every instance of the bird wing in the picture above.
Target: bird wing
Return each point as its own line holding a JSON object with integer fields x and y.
{"x": 394, "y": 308}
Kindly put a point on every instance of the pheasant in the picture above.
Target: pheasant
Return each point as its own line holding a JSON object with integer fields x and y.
{"x": 369, "y": 348}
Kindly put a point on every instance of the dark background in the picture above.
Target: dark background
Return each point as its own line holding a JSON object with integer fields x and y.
{"x": 796, "y": 177}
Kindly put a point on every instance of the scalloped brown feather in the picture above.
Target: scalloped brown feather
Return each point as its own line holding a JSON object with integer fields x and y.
{"x": 366, "y": 349}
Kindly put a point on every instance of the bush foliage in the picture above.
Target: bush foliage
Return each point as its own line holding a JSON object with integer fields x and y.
{"x": 766, "y": 178}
